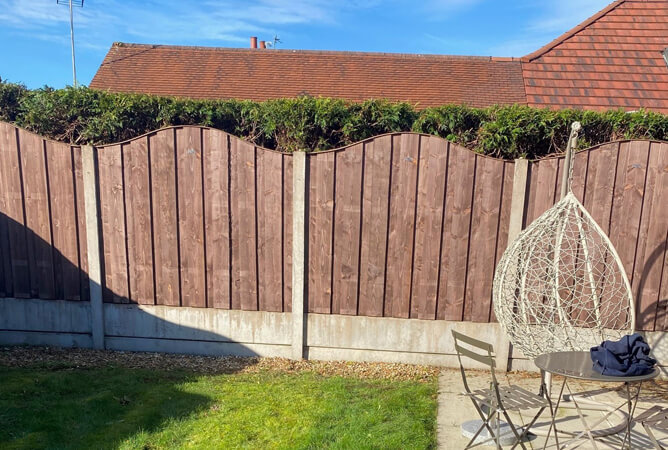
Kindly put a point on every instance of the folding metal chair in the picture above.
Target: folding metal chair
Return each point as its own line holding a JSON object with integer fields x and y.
{"x": 497, "y": 400}
{"x": 655, "y": 417}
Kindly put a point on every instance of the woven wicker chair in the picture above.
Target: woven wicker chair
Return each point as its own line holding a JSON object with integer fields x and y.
{"x": 497, "y": 400}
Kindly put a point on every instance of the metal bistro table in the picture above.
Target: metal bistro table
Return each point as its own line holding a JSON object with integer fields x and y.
{"x": 578, "y": 365}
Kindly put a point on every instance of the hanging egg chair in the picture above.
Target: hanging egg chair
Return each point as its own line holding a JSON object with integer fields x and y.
{"x": 561, "y": 285}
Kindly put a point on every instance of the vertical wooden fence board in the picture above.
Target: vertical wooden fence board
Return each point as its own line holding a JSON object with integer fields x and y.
{"x": 165, "y": 220}
{"x": 287, "y": 233}
{"x": 579, "y": 177}
{"x": 542, "y": 189}
{"x": 406, "y": 151}
{"x": 484, "y": 228}
{"x": 12, "y": 209}
{"x": 456, "y": 232}
{"x": 652, "y": 238}
{"x": 191, "y": 216}
{"x": 64, "y": 220}
{"x": 81, "y": 224}
{"x": 430, "y": 193}
{"x": 627, "y": 203}
{"x": 504, "y": 218}
{"x": 269, "y": 228}
{"x": 321, "y": 168}
{"x": 348, "y": 210}
{"x": 217, "y": 217}
{"x": 601, "y": 183}
{"x": 375, "y": 213}
{"x": 244, "y": 254}
{"x": 138, "y": 210}
{"x": 112, "y": 214}
{"x": 38, "y": 220}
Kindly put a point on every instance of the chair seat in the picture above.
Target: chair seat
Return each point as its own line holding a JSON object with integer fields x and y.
{"x": 513, "y": 398}
{"x": 656, "y": 417}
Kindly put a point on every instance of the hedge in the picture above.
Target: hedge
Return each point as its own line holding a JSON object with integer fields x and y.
{"x": 91, "y": 116}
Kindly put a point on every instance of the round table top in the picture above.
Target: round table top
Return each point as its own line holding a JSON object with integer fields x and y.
{"x": 579, "y": 365}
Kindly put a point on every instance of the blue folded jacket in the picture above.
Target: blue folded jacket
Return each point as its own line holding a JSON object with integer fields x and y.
{"x": 627, "y": 357}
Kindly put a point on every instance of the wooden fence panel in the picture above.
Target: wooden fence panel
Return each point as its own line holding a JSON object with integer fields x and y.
{"x": 270, "y": 230}
{"x": 112, "y": 216}
{"x": 165, "y": 218}
{"x": 347, "y": 224}
{"x": 287, "y": 232}
{"x": 400, "y": 244}
{"x": 37, "y": 213}
{"x": 456, "y": 234}
{"x": 428, "y": 226}
{"x": 139, "y": 221}
{"x": 17, "y": 269}
{"x": 375, "y": 219}
{"x": 401, "y": 225}
{"x": 651, "y": 248}
{"x": 244, "y": 225}
{"x": 485, "y": 221}
{"x": 321, "y": 169}
{"x": 217, "y": 217}
{"x": 59, "y": 158}
{"x": 81, "y": 224}
{"x": 191, "y": 216}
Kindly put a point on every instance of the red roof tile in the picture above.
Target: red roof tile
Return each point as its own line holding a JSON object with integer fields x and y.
{"x": 612, "y": 60}
{"x": 257, "y": 74}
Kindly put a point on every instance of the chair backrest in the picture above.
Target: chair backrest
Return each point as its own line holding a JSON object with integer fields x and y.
{"x": 475, "y": 349}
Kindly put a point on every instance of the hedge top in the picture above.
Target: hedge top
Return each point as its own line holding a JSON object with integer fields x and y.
{"x": 91, "y": 116}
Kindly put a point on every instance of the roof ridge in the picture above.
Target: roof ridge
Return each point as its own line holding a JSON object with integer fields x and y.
{"x": 322, "y": 52}
{"x": 573, "y": 31}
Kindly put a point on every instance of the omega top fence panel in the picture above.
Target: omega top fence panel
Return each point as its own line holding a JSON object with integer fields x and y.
{"x": 42, "y": 233}
{"x": 401, "y": 225}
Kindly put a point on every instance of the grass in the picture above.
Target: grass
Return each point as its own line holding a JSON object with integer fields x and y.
{"x": 115, "y": 407}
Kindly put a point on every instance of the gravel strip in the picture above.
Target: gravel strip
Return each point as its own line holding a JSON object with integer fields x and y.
{"x": 64, "y": 358}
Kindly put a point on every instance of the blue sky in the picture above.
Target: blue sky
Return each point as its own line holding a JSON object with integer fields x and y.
{"x": 35, "y": 44}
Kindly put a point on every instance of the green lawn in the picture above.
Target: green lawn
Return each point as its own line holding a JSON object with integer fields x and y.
{"x": 115, "y": 407}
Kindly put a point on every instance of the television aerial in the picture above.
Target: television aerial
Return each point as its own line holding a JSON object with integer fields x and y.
{"x": 72, "y": 4}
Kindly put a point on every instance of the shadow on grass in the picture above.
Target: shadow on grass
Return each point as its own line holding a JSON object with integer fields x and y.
{"x": 64, "y": 407}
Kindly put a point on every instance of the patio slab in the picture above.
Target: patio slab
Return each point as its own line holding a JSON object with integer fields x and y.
{"x": 454, "y": 408}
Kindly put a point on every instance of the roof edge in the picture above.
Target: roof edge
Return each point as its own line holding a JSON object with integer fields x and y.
{"x": 570, "y": 33}
{"x": 314, "y": 52}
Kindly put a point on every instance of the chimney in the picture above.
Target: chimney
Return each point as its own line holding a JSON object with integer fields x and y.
{"x": 253, "y": 42}
{"x": 263, "y": 44}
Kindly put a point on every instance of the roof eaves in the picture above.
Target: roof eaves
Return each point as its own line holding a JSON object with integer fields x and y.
{"x": 573, "y": 31}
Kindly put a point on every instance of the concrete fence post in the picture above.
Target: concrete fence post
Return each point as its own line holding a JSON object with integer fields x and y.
{"x": 93, "y": 244}
{"x": 517, "y": 206}
{"x": 298, "y": 253}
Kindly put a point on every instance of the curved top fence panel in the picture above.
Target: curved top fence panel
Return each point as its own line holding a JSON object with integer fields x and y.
{"x": 42, "y": 225}
{"x": 401, "y": 225}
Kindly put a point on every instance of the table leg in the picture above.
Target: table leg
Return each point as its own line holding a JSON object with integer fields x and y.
{"x": 631, "y": 405}
{"x": 553, "y": 413}
{"x": 583, "y": 420}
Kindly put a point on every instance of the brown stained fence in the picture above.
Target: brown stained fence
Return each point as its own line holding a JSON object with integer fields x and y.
{"x": 406, "y": 225}
{"x": 195, "y": 217}
{"x": 42, "y": 226}
{"x": 624, "y": 185}
{"x": 402, "y": 225}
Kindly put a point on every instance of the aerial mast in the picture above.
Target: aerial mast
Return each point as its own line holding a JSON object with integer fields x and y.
{"x": 72, "y": 4}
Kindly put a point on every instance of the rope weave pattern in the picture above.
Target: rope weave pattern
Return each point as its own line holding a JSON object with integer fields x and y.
{"x": 561, "y": 285}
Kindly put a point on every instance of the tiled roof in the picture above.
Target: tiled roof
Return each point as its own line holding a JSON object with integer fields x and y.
{"x": 261, "y": 74}
{"x": 611, "y": 60}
